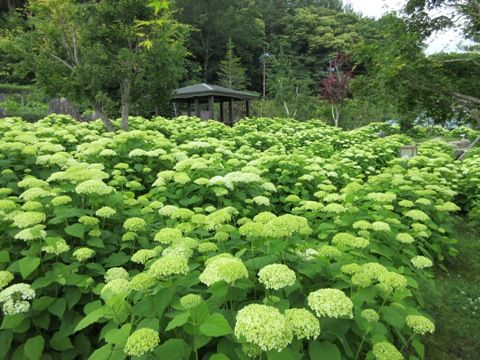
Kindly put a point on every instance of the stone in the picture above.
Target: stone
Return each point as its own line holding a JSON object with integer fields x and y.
{"x": 63, "y": 106}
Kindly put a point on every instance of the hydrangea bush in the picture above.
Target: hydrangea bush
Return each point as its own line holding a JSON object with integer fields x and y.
{"x": 184, "y": 239}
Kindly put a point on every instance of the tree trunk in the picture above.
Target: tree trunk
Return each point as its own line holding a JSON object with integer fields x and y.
{"x": 106, "y": 121}
{"x": 125, "y": 90}
{"x": 336, "y": 114}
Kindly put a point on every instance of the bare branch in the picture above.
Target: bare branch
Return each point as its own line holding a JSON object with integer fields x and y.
{"x": 59, "y": 59}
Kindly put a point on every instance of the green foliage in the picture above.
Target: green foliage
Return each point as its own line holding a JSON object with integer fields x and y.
{"x": 231, "y": 74}
{"x": 88, "y": 275}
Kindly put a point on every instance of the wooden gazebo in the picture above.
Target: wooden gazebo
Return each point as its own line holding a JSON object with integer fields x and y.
{"x": 210, "y": 94}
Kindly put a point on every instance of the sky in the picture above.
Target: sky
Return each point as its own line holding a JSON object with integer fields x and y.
{"x": 441, "y": 41}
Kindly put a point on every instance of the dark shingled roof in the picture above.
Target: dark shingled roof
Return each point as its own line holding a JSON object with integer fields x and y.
{"x": 200, "y": 90}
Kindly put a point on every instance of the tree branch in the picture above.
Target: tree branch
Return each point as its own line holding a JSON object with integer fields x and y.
{"x": 59, "y": 59}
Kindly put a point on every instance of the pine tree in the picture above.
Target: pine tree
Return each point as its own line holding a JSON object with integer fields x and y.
{"x": 231, "y": 73}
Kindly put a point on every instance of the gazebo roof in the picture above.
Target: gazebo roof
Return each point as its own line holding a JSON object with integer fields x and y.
{"x": 204, "y": 90}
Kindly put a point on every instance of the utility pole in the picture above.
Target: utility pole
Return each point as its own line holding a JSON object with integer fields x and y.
{"x": 263, "y": 60}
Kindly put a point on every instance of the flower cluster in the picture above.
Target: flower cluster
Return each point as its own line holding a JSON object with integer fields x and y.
{"x": 330, "y": 303}
{"x": 168, "y": 235}
{"x": 370, "y": 315}
{"x": 190, "y": 301}
{"x": 420, "y": 324}
{"x": 116, "y": 273}
{"x": 346, "y": 240}
{"x": 263, "y": 326}
{"x": 168, "y": 265}
{"x": 141, "y": 341}
{"x": 135, "y": 224}
{"x": 421, "y": 262}
{"x": 15, "y": 298}
{"x": 303, "y": 323}
{"x": 143, "y": 255}
{"x": 223, "y": 268}
{"x": 83, "y": 254}
{"x": 386, "y": 351}
{"x": 93, "y": 187}
{"x": 276, "y": 276}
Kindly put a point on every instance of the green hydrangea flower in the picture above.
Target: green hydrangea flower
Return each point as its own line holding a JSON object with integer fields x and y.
{"x": 303, "y": 323}
{"x": 404, "y": 238}
{"x": 263, "y": 326}
{"x": 83, "y": 254}
{"x": 421, "y": 262}
{"x": 207, "y": 247}
{"x": 105, "y": 212}
{"x": 331, "y": 303}
{"x": 135, "y": 224}
{"x": 370, "y": 315}
{"x": 93, "y": 187}
{"x": 143, "y": 255}
{"x": 420, "y": 324}
{"x": 190, "y": 301}
{"x": 168, "y": 235}
{"x": 417, "y": 215}
{"x": 142, "y": 281}
{"x": 116, "y": 273}
{"x": 27, "y": 219}
{"x": 223, "y": 268}
{"x": 168, "y": 265}
{"x": 386, "y": 351}
{"x": 276, "y": 276}
{"x": 141, "y": 341}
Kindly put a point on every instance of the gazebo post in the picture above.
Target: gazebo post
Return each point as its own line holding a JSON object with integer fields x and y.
{"x": 230, "y": 111}
{"x": 211, "y": 107}
{"x": 221, "y": 112}
{"x": 247, "y": 108}
{"x": 197, "y": 107}
{"x": 189, "y": 108}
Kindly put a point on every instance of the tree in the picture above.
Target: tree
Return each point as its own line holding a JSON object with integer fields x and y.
{"x": 290, "y": 87}
{"x": 92, "y": 52}
{"x": 231, "y": 74}
{"x": 335, "y": 88}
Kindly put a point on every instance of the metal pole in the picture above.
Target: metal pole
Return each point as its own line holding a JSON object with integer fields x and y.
{"x": 264, "y": 76}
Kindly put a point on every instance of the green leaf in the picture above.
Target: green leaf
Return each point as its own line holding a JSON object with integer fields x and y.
{"x": 60, "y": 342}
{"x": 28, "y": 265}
{"x": 324, "y": 350}
{"x": 393, "y": 317}
{"x": 178, "y": 321}
{"x": 6, "y": 338}
{"x": 117, "y": 259}
{"x": 285, "y": 354}
{"x": 173, "y": 349}
{"x": 4, "y": 256}
{"x": 102, "y": 354}
{"x": 215, "y": 325}
{"x": 76, "y": 230}
{"x": 118, "y": 336}
{"x": 42, "y": 303}
{"x": 58, "y": 307}
{"x": 34, "y": 347}
{"x": 12, "y": 321}
{"x": 219, "y": 357}
{"x": 89, "y": 319}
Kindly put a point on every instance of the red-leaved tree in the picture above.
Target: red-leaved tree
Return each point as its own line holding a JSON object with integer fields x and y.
{"x": 335, "y": 88}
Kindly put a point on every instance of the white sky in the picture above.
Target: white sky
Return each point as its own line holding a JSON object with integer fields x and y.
{"x": 442, "y": 41}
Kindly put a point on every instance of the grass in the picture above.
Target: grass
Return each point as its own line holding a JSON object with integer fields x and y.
{"x": 456, "y": 308}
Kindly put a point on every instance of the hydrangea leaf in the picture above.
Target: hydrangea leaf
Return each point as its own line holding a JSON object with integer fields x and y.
{"x": 34, "y": 347}
{"x": 324, "y": 350}
{"x": 215, "y": 325}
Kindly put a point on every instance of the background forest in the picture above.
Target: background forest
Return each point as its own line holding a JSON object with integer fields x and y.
{"x": 321, "y": 59}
